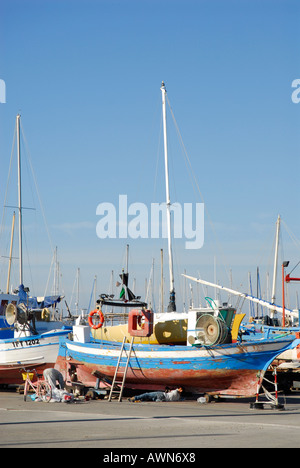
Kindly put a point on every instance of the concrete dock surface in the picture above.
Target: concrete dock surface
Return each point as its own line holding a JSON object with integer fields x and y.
{"x": 167, "y": 425}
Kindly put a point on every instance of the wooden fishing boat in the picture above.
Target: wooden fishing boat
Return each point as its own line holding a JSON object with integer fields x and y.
{"x": 231, "y": 369}
{"x": 209, "y": 362}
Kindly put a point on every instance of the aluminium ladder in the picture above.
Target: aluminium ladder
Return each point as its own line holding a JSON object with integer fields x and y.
{"x": 117, "y": 387}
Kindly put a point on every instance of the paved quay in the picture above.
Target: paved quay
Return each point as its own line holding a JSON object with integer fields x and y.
{"x": 174, "y": 425}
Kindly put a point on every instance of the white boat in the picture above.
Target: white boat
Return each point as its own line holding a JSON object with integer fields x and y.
{"x": 32, "y": 351}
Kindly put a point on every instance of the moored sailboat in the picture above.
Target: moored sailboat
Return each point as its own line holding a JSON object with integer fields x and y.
{"x": 22, "y": 344}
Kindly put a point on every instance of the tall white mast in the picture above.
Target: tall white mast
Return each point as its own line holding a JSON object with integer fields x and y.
{"x": 20, "y": 201}
{"x": 171, "y": 306}
{"x": 275, "y": 261}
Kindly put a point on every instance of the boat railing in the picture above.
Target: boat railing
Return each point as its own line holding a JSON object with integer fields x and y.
{"x": 116, "y": 318}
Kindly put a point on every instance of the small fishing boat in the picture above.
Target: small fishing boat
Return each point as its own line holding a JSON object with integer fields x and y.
{"x": 203, "y": 365}
{"x": 212, "y": 360}
{"x": 21, "y": 345}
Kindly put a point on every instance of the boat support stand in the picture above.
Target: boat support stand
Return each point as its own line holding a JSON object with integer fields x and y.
{"x": 272, "y": 399}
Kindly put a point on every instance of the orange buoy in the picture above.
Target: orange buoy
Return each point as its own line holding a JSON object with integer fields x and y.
{"x": 101, "y": 319}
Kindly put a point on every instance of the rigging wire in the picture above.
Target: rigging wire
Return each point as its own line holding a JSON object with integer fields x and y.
{"x": 2, "y": 227}
{"x": 294, "y": 268}
{"x": 36, "y": 187}
{"x": 7, "y": 183}
{"x": 29, "y": 167}
{"x": 291, "y": 234}
{"x": 196, "y": 187}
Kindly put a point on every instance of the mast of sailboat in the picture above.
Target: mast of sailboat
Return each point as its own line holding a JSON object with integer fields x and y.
{"x": 19, "y": 201}
{"x": 275, "y": 263}
{"x": 172, "y": 305}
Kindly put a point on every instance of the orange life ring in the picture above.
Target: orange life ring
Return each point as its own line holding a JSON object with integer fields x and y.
{"x": 101, "y": 317}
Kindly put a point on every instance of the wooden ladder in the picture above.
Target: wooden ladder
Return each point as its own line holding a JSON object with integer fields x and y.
{"x": 117, "y": 387}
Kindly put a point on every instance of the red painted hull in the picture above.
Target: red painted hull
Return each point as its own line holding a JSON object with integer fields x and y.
{"x": 10, "y": 375}
{"x": 241, "y": 383}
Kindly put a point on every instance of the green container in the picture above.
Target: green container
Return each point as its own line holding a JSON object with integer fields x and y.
{"x": 227, "y": 315}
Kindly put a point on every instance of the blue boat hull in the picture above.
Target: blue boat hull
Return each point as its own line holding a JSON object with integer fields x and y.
{"x": 226, "y": 370}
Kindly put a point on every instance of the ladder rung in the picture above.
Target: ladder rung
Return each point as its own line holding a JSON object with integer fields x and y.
{"x": 122, "y": 382}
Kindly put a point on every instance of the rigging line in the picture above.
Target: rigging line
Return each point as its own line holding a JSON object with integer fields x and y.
{"x": 8, "y": 178}
{"x": 49, "y": 274}
{"x": 173, "y": 184}
{"x": 291, "y": 234}
{"x": 73, "y": 291}
{"x": 192, "y": 174}
{"x": 36, "y": 187}
{"x": 32, "y": 286}
{"x": 294, "y": 268}
{"x": 91, "y": 296}
{"x": 281, "y": 246}
{"x": 157, "y": 160}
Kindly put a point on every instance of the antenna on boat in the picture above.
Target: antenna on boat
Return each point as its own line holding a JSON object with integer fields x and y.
{"x": 172, "y": 305}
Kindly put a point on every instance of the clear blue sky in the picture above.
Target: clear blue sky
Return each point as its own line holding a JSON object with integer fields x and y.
{"x": 86, "y": 75}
